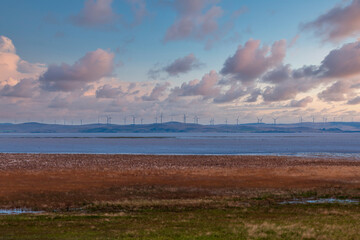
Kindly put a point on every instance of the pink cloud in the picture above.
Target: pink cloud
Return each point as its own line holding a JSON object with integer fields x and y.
{"x": 90, "y": 68}
{"x": 100, "y": 14}
{"x": 12, "y": 67}
{"x": 96, "y": 13}
{"x": 338, "y": 23}
{"x": 178, "y": 66}
{"x": 23, "y": 89}
{"x": 206, "y": 87}
{"x": 232, "y": 94}
{"x": 342, "y": 62}
{"x": 199, "y": 20}
{"x": 336, "y": 92}
{"x": 107, "y": 91}
{"x": 301, "y": 103}
{"x": 157, "y": 92}
{"x": 251, "y": 61}
{"x": 354, "y": 101}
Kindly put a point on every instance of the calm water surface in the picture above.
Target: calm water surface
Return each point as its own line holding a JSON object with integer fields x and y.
{"x": 336, "y": 144}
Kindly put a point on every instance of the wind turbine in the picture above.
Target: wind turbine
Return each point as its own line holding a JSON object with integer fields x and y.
{"x": 237, "y": 120}
{"x": 324, "y": 119}
{"x": 313, "y": 119}
{"x": 274, "y": 118}
{"x": 161, "y": 118}
{"x": 300, "y": 119}
{"x": 196, "y": 119}
{"x": 212, "y": 121}
{"x": 141, "y": 120}
{"x": 125, "y": 120}
{"x": 134, "y": 119}
{"x": 226, "y": 121}
{"x": 259, "y": 120}
{"x": 185, "y": 118}
{"x": 108, "y": 119}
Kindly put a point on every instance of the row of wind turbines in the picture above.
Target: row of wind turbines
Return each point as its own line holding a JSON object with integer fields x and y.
{"x": 159, "y": 119}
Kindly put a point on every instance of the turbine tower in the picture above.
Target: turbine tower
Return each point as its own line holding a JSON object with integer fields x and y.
{"x": 259, "y": 120}
{"x": 274, "y": 118}
{"x": 324, "y": 119}
{"x": 237, "y": 120}
{"x": 108, "y": 119}
{"x": 196, "y": 119}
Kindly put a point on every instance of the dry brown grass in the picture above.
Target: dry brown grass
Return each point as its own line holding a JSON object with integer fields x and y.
{"x": 73, "y": 180}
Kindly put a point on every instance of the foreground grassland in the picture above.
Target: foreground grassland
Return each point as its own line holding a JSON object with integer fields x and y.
{"x": 177, "y": 197}
{"x": 313, "y": 221}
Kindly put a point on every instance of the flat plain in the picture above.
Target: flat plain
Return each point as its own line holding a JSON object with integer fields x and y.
{"x": 103, "y": 196}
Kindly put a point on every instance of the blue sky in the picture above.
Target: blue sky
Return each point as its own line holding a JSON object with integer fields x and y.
{"x": 45, "y": 32}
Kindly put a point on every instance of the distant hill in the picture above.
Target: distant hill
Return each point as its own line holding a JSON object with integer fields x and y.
{"x": 34, "y": 127}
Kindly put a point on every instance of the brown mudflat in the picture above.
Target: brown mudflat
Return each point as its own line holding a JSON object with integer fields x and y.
{"x": 69, "y": 180}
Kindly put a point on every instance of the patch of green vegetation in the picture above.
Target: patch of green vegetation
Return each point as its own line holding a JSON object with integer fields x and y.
{"x": 318, "y": 221}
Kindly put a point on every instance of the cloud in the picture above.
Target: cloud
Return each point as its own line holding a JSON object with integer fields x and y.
{"x": 336, "y": 92}
{"x": 90, "y": 68}
{"x": 107, "y": 91}
{"x": 157, "y": 92}
{"x": 301, "y": 103}
{"x": 59, "y": 102}
{"x": 251, "y": 61}
{"x": 139, "y": 10}
{"x": 230, "y": 95}
{"x": 287, "y": 88}
{"x": 177, "y": 67}
{"x": 254, "y": 95}
{"x": 23, "y": 89}
{"x": 6, "y": 45}
{"x": 206, "y": 87}
{"x": 12, "y": 67}
{"x": 338, "y": 23}
{"x": 182, "y": 65}
{"x": 191, "y": 21}
{"x": 8, "y": 59}
{"x": 200, "y": 20}
{"x": 96, "y": 13}
{"x": 342, "y": 62}
{"x": 278, "y": 75}
{"x": 100, "y": 14}
{"x": 354, "y": 101}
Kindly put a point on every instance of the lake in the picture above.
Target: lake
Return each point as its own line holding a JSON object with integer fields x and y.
{"x": 336, "y": 144}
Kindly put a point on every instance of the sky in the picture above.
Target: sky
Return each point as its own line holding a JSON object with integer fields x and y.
{"x": 214, "y": 59}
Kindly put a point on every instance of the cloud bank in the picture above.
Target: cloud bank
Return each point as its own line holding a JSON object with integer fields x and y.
{"x": 340, "y": 22}
{"x": 90, "y": 68}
